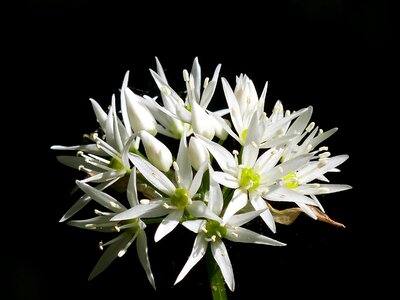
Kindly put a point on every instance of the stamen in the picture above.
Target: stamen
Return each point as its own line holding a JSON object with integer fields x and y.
{"x": 324, "y": 148}
{"x": 324, "y": 155}
{"x": 234, "y": 234}
{"x": 185, "y": 75}
{"x": 309, "y": 147}
{"x": 90, "y": 226}
{"x": 121, "y": 252}
{"x": 287, "y": 113}
{"x": 204, "y": 229}
{"x": 310, "y": 127}
{"x": 116, "y": 227}
{"x": 205, "y": 84}
{"x": 145, "y": 201}
{"x": 101, "y": 245}
{"x": 254, "y": 144}
{"x": 321, "y": 131}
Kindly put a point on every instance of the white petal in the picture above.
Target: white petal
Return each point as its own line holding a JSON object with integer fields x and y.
{"x": 131, "y": 190}
{"x": 301, "y": 122}
{"x": 124, "y": 109}
{"x": 198, "y": 153}
{"x": 117, "y": 135}
{"x": 238, "y": 201}
{"x": 194, "y": 225}
{"x": 160, "y": 70}
{"x": 223, "y": 157}
{"x": 200, "y": 210}
{"x": 287, "y": 167}
{"x": 101, "y": 115}
{"x": 105, "y": 176}
{"x": 282, "y": 193}
{"x": 215, "y": 198}
{"x": 209, "y": 90}
{"x": 242, "y": 235}
{"x": 306, "y": 175}
{"x": 71, "y": 161}
{"x": 91, "y": 148}
{"x": 310, "y": 189}
{"x": 198, "y": 251}
{"x": 85, "y": 199}
{"x": 185, "y": 169}
{"x": 137, "y": 211}
{"x": 110, "y": 254}
{"x": 142, "y": 251}
{"x": 259, "y": 204}
{"x": 268, "y": 160}
{"x": 168, "y": 224}
{"x": 225, "y": 125}
{"x": 222, "y": 258}
{"x": 322, "y": 137}
{"x": 101, "y": 197}
{"x": 233, "y": 107}
{"x": 99, "y": 223}
{"x": 194, "y": 187}
{"x": 307, "y": 210}
{"x": 226, "y": 179}
{"x": 240, "y": 219}
{"x": 153, "y": 175}
{"x": 196, "y": 73}
{"x": 252, "y": 143}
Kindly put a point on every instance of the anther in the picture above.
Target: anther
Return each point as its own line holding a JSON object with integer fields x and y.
{"x": 325, "y": 148}
{"x": 116, "y": 227}
{"x": 145, "y": 201}
{"x": 205, "y": 84}
{"x": 234, "y": 234}
{"x": 101, "y": 245}
{"x": 185, "y": 75}
{"x": 324, "y": 155}
{"x": 310, "y": 127}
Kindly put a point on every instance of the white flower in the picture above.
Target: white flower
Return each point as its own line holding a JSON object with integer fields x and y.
{"x": 157, "y": 153}
{"x": 179, "y": 196}
{"x": 255, "y": 178}
{"x": 128, "y": 231}
{"x": 244, "y": 103}
{"x": 192, "y": 110}
{"x": 213, "y": 232}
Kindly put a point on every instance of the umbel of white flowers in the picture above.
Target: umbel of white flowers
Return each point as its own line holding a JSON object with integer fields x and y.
{"x": 279, "y": 157}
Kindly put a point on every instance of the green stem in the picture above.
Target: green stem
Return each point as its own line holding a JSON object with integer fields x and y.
{"x": 215, "y": 277}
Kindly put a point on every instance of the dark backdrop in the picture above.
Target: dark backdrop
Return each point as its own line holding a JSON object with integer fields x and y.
{"x": 333, "y": 55}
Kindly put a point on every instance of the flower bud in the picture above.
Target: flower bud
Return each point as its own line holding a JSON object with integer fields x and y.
{"x": 202, "y": 123}
{"x": 198, "y": 154}
{"x": 157, "y": 153}
{"x": 140, "y": 116}
{"x": 220, "y": 132}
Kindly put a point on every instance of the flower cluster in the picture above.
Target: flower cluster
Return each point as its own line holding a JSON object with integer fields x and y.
{"x": 205, "y": 187}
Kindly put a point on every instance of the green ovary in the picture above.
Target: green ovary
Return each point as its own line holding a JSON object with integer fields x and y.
{"x": 214, "y": 228}
{"x": 116, "y": 164}
{"x": 249, "y": 179}
{"x": 244, "y": 134}
{"x": 290, "y": 181}
{"x": 180, "y": 198}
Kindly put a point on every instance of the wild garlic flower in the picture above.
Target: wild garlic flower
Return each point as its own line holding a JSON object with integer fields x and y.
{"x": 193, "y": 109}
{"x": 127, "y": 231}
{"x": 179, "y": 195}
{"x": 211, "y": 232}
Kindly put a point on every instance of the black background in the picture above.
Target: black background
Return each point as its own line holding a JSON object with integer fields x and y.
{"x": 333, "y": 55}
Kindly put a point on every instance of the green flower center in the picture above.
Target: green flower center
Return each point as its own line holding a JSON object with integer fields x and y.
{"x": 180, "y": 198}
{"x": 188, "y": 108}
{"x": 116, "y": 164}
{"x": 244, "y": 134}
{"x": 290, "y": 180}
{"x": 214, "y": 228}
{"x": 249, "y": 179}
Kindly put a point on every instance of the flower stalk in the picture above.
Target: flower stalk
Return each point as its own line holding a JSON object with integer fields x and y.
{"x": 215, "y": 278}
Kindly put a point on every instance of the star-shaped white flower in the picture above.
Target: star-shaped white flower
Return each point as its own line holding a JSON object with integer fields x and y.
{"x": 212, "y": 232}
{"x": 255, "y": 178}
{"x": 129, "y": 231}
{"x": 178, "y": 196}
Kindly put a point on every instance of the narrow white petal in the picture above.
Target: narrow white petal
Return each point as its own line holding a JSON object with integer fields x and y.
{"x": 215, "y": 197}
{"x": 153, "y": 175}
{"x": 99, "y": 223}
{"x": 117, "y": 135}
{"x": 194, "y": 187}
{"x": 238, "y": 201}
{"x": 226, "y": 179}
{"x": 221, "y": 256}
{"x": 210, "y": 89}
{"x": 131, "y": 190}
{"x": 307, "y": 210}
{"x": 242, "y": 235}
{"x": 223, "y": 157}
{"x": 241, "y": 219}
{"x": 268, "y": 160}
{"x": 110, "y": 254}
{"x": 322, "y": 137}
{"x": 168, "y": 224}
{"x": 142, "y": 251}
{"x": 91, "y": 148}
{"x": 287, "y": 167}
{"x": 105, "y": 176}
{"x": 198, "y": 251}
{"x": 200, "y": 210}
{"x": 196, "y": 73}
{"x": 252, "y": 143}
{"x": 233, "y": 106}
{"x": 194, "y": 225}
{"x": 85, "y": 199}
{"x": 202, "y": 123}
{"x": 101, "y": 115}
{"x": 301, "y": 122}
{"x": 225, "y": 126}
{"x": 259, "y": 204}
{"x": 71, "y": 161}
{"x": 284, "y": 194}
{"x": 182, "y": 160}
{"x": 305, "y": 175}
{"x": 310, "y": 189}
{"x": 160, "y": 70}
{"x": 101, "y": 197}
{"x": 137, "y": 211}
{"x": 124, "y": 109}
